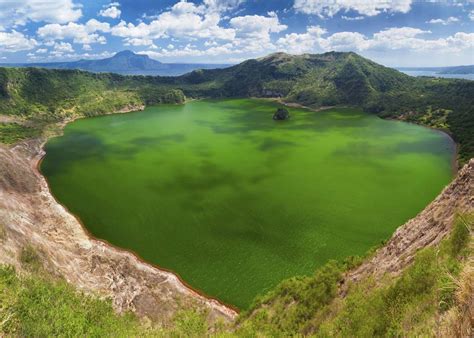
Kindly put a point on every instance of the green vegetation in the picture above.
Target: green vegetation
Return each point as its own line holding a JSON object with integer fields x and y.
{"x": 429, "y": 298}
{"x": 14, "y": 132}
{"x": 409, "y": 305}
{"x": 3, "y": 233}
{"x": 314, "y": 80}
{"x": 42, "y": 97}
{"x": 38, "y": 306}
{"x": 30, "y": 259}
{"x": 346, "y": 79}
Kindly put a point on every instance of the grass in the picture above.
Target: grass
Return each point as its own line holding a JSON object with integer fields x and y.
{"x": 3, "y": 233}
{"x": 29, "y": 259}
{"x": 437, "y": 285}
{"x": 431, "y": 297}
{"x": 37, "y": 306}
{"x": 13, "y": 132}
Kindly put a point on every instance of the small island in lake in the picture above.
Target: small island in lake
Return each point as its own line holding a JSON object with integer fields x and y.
{"x": 281, "y": 114}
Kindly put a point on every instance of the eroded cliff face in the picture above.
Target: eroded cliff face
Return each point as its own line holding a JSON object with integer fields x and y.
{"x": 29, "y": 215}
{"x": 428, "y": 228}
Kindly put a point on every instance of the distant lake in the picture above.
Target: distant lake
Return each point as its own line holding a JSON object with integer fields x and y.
{"x": 235, "y": 202}
{"x": 435, "y": 74}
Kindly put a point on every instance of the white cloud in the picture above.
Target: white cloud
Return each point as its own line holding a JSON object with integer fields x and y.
{"x": 183, "y": 20}
{"x": 19, "y": 12}
{"x": 186, "y": 22}
{"x": 63, "y": 47}
{"x": 328, "y": 8}
{"x": 15, "y": 41}
{"x": 222, "y": 5}
{"x": 253, "y": 33}
{"x": 58, "y": 55}
{"x": 352, "y": 18}
{"x": 407, "y": 39}
{"x": 257, "y": 26}
{"x": 41, "y": 51}
{"x": 397, "y": 38}
{"x": 78, "y": 33}
{"x": 471, "y": 15}
{"x": 445, "y": 22}
{"x": 345, "y": 41}
{"x": 138, "y": 42}
{"x": 304, "y": 42}
{"x": 111, "y": 10}
{"x": 461, "y": 40}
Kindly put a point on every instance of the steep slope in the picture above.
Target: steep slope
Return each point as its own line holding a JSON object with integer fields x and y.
{"x": 313, "y": 80}
{"x": 31, "y": 219}
{"x": 346, "y": 79}
{"x": 55, "y": 94}
{"x": 316, "y": 79}
{"x": 418, "y": 284}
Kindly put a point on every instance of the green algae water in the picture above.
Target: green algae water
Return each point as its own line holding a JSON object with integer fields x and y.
{"x": 235, "y": 202}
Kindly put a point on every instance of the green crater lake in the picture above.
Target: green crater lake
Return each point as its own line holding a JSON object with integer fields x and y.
{"x": 233, "y": 201}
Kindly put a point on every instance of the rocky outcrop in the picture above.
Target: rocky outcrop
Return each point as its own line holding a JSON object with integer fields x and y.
{"x": 281, "y": 114}
{"x": 428, "y": 228}
{"x": 29, "y": 215}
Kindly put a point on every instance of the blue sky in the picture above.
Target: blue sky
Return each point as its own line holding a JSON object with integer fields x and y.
{"x": 391, "y": 32}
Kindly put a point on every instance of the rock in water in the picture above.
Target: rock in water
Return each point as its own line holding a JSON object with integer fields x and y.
{"x": 281, "y": 114}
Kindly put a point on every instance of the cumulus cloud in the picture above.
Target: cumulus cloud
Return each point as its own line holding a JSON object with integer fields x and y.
{"x": 471, "y": 15}
{"x": 257, "y": 26}
{"x": 410, "y": 39}
{"x": 328, "y": 8}
{"x": 139, "y": 42}
{"x": 78, "y": 33}
{"x": 352, "y": 18}
{"x": 222, "y": 5}
{"x": 15, "y": 41}
{"x": 444, "y": 22}
{"x": 183, "y": 20}
{"x": 111, "y": 10}
{"x": 301, "y": 43}
{"x": 19, "y": 12}
{"x": 63, "y": 47}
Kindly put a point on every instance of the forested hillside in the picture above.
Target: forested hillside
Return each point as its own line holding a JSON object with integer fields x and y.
{"x": 313, "y": 80}
{"x": 346, "y": 79}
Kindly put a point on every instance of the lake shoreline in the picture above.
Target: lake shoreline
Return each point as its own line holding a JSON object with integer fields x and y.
{"x": 31, "y": 152}
{"x": 61, "y": 125}
{"x": 455, "y": 164}
{"x": 126, "y": 110}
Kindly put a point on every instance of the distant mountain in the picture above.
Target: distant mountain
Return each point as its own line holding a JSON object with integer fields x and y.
{"x": 125, "y": 62}
{"x": 458, "y": 70}
{"x": 441, "y": 70}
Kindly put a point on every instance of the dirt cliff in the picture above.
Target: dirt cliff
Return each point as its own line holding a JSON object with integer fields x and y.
{"x": 29, "y": 215}
{"x": 428, "y": 228}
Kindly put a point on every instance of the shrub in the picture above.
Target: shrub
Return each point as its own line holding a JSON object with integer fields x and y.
{"x": 460, "y": 235}
{"x": 30, "y": 259}
{"x": 190, "y": 323}
{"x": 3, "y": 233}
